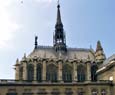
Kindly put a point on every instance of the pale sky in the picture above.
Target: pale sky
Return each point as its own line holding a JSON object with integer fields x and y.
{"x": 85, "y": 22}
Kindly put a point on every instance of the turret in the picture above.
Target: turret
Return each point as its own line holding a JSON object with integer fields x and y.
{"x": 99, "y": 54}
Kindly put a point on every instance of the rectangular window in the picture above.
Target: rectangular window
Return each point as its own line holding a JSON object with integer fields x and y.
{"x": 80, "y": 93}
{"x": 11, "y": 94}
{"x": 55, "y": 91}
{"x": 27, "y": 93}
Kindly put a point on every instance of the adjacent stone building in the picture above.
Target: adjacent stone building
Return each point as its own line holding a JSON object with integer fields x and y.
{"x": 59, "y": 70}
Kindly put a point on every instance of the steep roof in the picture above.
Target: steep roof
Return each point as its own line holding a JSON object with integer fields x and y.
{"x": 49, "y": 52}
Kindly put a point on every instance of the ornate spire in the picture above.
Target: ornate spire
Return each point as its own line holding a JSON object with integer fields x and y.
{"x": 36, "y": 43}
{"x": 59, "y": 35}
{"x": 99, "y": 54}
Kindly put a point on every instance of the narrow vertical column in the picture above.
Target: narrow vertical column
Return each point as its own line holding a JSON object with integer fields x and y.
{"x": 35, "y": 71}
{"x": 88, "y": 71}
{"x": 44, "y": 70}
{"x": 25, "y": 74}
{"x": 74, "y": 71}
{"x": 60, "y": 71}
{"x": 17, "y": 72}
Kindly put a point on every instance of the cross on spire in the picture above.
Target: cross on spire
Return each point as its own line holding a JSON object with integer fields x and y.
{"x": 36, "y": 43}
{"x": 58, "y": 2}
{"x": 58, "y": 14}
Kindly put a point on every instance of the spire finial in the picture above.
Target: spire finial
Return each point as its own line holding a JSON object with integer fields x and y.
{"x": 17, "y": 60}
{"x": 99, "y": 47}
{"x": 25, "y": 55}
{"x": 58, "y": 14}
{"x": 58, "y": 3}
{"x": 36, "y": 43}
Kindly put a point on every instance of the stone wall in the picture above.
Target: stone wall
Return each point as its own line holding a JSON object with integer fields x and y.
{"x": 56, "y": 89}
{"x": 59, "y": 63}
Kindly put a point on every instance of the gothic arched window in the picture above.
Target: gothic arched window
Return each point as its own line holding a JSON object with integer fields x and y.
{"x": 39, "y": 72}
{"x": 30, "y": 71}
{"x": 67, "y": 73}
{"x": 21, "y": 73}
{"x": 93, "y": 72}
{"x": 51, "y": 74}
{"x": 81, "y": 73}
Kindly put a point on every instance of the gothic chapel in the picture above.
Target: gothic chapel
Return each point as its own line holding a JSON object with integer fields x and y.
{"x": 59, "y": 70}
{"x": 58, "y": 63}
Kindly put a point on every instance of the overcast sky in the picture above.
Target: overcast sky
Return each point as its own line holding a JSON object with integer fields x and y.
{"x": 85, "y": 22}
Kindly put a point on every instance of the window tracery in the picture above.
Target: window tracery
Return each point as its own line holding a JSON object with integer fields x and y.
{"x": 51, "y": 74}
{"x": 93, "y": 72}
{"x": 39, "y": 72}
{"x": 30, "y": 71}
{"x": 81, "y": 73}
{"x": 67, "y": 73}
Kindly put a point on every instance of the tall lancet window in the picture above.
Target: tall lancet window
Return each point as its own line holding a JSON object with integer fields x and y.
{"x": 21, "y": 73}
{"x": 51, "y": 74}
{"x": 67, "y": 73}
{"x": 30, "y": 69}
{"x": 93, "y": 72}
{"x": 39, "y": 72}
{"x": 81, "y": 73}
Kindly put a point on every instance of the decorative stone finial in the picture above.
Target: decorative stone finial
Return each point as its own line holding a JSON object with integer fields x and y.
{"x": 44, "y": 54}
{"x": 88, "y": 58}
{"x": 75, "y": 56}
{"x": 58, "y": 4}
{"x": 36, "y": 43}
{"x": 60, "y": 55}
{"x": 24, "y": 55}
{"x": 17, "y": 62}
{"x": 99, "y": 47}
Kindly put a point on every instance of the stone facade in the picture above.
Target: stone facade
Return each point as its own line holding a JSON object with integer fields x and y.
{"x": 60, "y": 65}
{"x": 56, "y": 89}
{"x": 107, "y": 71}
